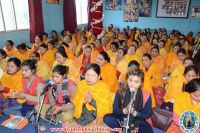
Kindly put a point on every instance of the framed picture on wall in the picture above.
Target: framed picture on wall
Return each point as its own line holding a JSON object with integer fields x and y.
{"x": 131, "y": 11}
{"x": 113, "y": 4}
{"x": 195, "y": 12}
{"x": 145, "y": 8}
{"x": 173, "y": 8}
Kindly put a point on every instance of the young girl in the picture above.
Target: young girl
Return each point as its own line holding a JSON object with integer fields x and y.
{"x": 92, "y": 99}
{"x": 32, "y": 88}
{"x": 141, "y": 109}
{"x": 60, "y": 94}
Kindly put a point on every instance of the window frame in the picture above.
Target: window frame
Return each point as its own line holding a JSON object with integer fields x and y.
{"x": 82, "y": 24}
{"x": 15, "y": 20}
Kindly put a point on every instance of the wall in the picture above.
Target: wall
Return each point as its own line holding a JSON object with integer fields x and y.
{"x": 182, "y": 24}
{"x": 52, "y": 17}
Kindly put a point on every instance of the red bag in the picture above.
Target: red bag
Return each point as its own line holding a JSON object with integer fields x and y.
{"x": 159, "y": 93}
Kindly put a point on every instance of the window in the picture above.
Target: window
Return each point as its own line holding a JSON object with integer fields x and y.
{"x": 14, "y": 15}
{"x": 81, "y": 11}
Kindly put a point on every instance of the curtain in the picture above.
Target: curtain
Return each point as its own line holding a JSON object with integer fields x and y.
{"x": 35, "y": 18}
{"x": 69, "y": 12}
{"x": 89, "y": 14}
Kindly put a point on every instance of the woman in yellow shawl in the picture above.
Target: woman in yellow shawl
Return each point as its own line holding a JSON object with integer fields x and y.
{"x": 38, "y": 41}
{"x": 108, "y": 71}
{"x": 131, "y": 54}
{"x": 46, "y": 55}
{"x": 22, "y": 52}
{"x": 95, "y": 52}
{"x": 158, "y": 59}
{"x": 92, "y": 96}
{"x": 119, "y": 62}
{"x": 65, "y": 46}
{"x": 62, "y": 59}
{"x": 43, "y": 70}
{"x": 170, "y": 41}
{"x": 181, "y": 55}
{"x": 10, "y": 83}
{"x": 9, "y": 48}
{"x": 51, "y": 47}
{"x": 45, "y": 38}
{"x": 132, "y": 65}
{"x": 187, "y": 101}
{"x": 113, "y": 49}
{"x": 72, "y": 43}
{"x": 145, "y": 44}
{"x": 162, "y": 49}
{"x": 172, "y": 55}
{"x": 85, "y": 59}
{"x": 174, "y": 88}
{"x": 3, "y": 60}
{"x": 152, "y": 76}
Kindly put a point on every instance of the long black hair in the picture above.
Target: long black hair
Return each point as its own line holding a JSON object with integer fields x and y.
{"x": 105, "y": 56}
{"x": 61, "y": 70}
{"x": 193, "y": 85}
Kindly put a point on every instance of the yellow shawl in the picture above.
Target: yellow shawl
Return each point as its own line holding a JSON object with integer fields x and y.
{"x": 13, "y": 82}
{"x": 100, "y": 93}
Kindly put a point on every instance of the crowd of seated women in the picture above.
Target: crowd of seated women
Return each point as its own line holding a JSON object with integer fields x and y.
{"x": 92, "y": 76}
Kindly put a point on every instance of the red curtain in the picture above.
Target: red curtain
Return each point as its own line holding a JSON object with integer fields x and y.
{"x": 89, "y": 14}
{"x": 36, "y": 18}
{"x": 69, "y": 12}
{"x": 96, "y": 15}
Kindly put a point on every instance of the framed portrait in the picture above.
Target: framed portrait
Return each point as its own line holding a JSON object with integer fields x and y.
{"x": 145, "y": 8}
{"x": 54, "y": 1}
{"x": 173, "y": 8}
{"x": 131, "y": 10}
{"x": 195, "y": 12}
{"x": 113, "y": 4}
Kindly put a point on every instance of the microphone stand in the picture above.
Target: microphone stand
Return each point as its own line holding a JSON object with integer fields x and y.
{"x": 129, "y": 112}
{"x": 37, "y": 113}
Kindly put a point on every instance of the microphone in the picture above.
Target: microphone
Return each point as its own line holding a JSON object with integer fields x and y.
{"x": 47, "y": 87}
{"x": 132, "y": 90}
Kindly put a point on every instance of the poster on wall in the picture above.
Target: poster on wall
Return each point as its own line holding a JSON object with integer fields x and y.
{"x": 131, "y": 11}
{"x": 196, "y": 11}
{"x": 173, "y": 8}
{"x": 145, "y": 8}
{"x": 113, "y": 4}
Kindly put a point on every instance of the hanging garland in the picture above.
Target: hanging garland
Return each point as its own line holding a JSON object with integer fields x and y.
{"x": 96, "y": 5}
{"x": 96, "y": 21}
{"x": 94, "y": 9}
